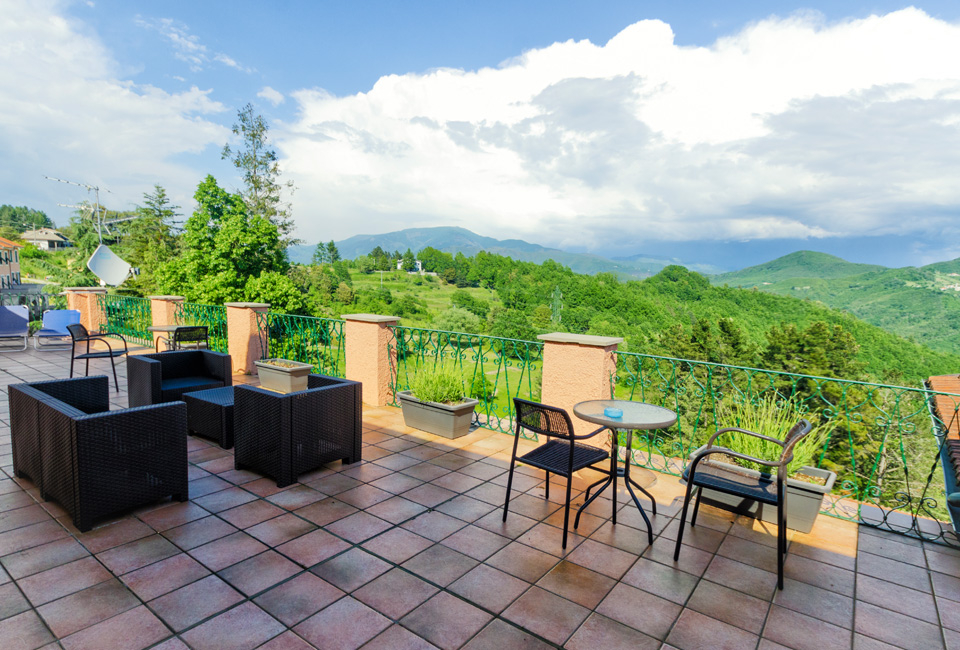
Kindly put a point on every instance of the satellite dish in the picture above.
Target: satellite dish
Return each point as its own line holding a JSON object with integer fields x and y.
{"x": 108, "y": 266}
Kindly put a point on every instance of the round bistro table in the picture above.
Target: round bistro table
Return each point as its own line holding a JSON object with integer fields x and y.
{"x": 636, "y": 415}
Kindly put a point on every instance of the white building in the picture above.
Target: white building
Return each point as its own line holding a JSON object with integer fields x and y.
{"x": 46, "y": 239}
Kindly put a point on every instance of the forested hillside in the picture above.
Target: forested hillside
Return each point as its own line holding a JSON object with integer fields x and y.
{"x": 922, "y": 304}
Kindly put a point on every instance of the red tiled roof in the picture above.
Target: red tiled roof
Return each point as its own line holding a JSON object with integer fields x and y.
{"x": 6, "y": 243}
{"x": 948, "y": 406}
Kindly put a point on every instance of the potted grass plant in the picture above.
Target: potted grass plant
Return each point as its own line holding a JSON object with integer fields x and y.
{"x": 437, "y": 403}
{"x": 283, "y": 375}
{"x": 807, "y": 484}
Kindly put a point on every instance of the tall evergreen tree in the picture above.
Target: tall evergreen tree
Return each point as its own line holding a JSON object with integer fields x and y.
{"x": 257, "y": 161}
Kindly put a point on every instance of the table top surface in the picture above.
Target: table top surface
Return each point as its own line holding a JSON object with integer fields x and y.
{"x": 222, "y": 396}
{"x": 636, "y": 415}
{"x": 164, "y": 328}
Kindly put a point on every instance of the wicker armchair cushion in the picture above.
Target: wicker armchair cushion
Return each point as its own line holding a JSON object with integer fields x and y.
{"x": 165, "y": 377}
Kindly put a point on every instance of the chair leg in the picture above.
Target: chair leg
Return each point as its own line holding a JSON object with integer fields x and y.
{"x": 116, "y": 384}
{"x": 696, "y": 508}
{"x": 547, "y": 495}
{"x": 781, "y": 542}
{"x": 506, "y": 504}
{"x": 683, "y": 519}
{"x": 566, "y": 512}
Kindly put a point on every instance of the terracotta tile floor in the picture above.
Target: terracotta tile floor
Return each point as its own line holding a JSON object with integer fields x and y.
{"x": 407, "y": 550}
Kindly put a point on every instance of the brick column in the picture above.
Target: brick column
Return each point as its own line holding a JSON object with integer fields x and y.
{"x": 368, "y": 357}
{"x": 163, "y": 310}
{"x": 84, "y": 300}
{"x": 577, "y": 367}
{"x": 243, "y": 336}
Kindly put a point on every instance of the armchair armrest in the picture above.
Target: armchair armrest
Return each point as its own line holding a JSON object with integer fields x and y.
{"x": 218, "y": 365}
{"x": 735, "y": 454}
{"x": 746, "y": 431}
{"x": 143, "y": 380}
{"x": 589, "y": 435}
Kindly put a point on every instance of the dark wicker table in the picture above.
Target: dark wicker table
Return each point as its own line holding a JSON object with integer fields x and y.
{"x": 210, "y": 414}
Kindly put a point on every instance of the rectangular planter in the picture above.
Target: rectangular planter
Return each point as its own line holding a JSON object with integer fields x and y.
{"x": 804, "y": 500}
{"x": 283, "y": 380}
{"x": 447, "y": 420}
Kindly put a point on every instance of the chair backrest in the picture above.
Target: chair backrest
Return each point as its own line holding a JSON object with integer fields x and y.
{"x": 193, "y": 334}
{"x": 78, "y": 332}
{"x": 58, "y": 319}
{"x": 14, "y": 320}
{"x": 795, "y": 435}
{"x": 542, "y": 419}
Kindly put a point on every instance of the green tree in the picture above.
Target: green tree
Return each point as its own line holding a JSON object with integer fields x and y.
{"x": 276, "y": 289}
{"x": 320, "y": 255}
{"x": 333, "y": 255}
{"x": 148, "y": 240}
{"x": 222, "y": 247}
{"x": 21, "y": 218}
{"x": 261, "y": 172}
{"x": 408, "y": 261}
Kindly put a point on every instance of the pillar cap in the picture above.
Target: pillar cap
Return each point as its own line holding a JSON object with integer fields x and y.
{"x": 168, "y": 298}
{"x": 94, "y": 289}
{"x": 248, "y": 305}
{"x": 371, "y": 318}
{"x": 581, "y": 339}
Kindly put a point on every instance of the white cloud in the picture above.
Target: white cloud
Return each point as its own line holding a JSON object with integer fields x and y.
{"x": 64, "y": 112}
{"x": 187, "y": 47}
{"x": 275, "y": 97}
{"x": 789, "y": 128}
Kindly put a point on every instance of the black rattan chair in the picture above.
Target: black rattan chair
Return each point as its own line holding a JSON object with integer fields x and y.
{"x": 766, "y": 489}
{"x": 283, "y": 435}
{"x": 562, "y": 456}
{"x": 79, "y": 334}
{"x": 165, "y": 377}
{"x": 93, "y": 461}
{"x": 184, "y": 337}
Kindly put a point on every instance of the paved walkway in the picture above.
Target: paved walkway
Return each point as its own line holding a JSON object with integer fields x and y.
{"x": 407, "y": 550}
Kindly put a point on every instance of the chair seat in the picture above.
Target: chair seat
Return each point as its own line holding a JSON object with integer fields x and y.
{"x": 189, "y": 384}
{"x": 762, "y": 488}
{"x": 554, "y": 456}
{"x": 101, "y": 354}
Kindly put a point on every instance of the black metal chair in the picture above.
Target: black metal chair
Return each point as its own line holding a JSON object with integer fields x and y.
{"x": 562, "y": 456}
{"x": 79, "y": 334}
{"x": 765, "y": 488}
{"x": 184, "y": 337}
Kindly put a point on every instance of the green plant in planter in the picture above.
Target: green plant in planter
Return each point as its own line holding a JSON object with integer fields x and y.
{"x": 442, "y": 385}
{"x": 770, "y": 417}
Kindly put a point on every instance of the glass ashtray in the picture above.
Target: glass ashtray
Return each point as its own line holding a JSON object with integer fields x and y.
{"x": 612, "y": 412}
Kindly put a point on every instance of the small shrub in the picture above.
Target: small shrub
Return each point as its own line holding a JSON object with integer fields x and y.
{"x": 442, "y": 385}
{"x": 771, "y": 417}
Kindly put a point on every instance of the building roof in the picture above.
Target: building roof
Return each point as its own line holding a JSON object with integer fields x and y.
{"x": 948, "y": 406}
{"x": 6, "y": 243}
{"x": 45, "y": 234}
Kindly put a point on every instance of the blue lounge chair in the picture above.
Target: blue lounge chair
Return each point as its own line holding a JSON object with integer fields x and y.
{"x": 15, "y": 323}
{"x": 54, "y": 328}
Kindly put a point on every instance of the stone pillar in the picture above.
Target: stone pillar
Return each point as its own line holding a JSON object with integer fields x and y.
{"x": 368, "y": 356}
{"x": 577, "y": 367}
{"x": 243, "y": 335}
{"x": 84, "y": 300}
{"x": 163, "y": 310}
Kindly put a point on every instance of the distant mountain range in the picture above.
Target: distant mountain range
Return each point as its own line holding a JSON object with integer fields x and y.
{"x": 460, "y": 240}
{"x": 920, "y": 303}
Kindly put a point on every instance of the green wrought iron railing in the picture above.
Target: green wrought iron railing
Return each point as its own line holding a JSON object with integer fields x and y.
{"x": 883, "y": 441}
{"x": 214, "y": 317}
{"x": 495, "y": 370}
{"x": 304, "y": 338}
{"x": 126, "y": 315}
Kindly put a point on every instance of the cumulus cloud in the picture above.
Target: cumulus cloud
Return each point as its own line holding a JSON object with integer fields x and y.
{"x": 791, "y": 127}
{"x": 275, "y": 97}
{"x": 65, "y": 112}
{"x": 187, "y": 47}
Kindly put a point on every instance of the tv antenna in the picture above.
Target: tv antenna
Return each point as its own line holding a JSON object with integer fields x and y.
{"x": 104, "y": 263}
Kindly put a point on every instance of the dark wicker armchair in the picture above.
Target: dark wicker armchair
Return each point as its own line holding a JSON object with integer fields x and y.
{"x": 165, "y": 377}
{"x": 93, "y": 461}
{"x": 283, "y": 435}
{"x": 768, "y": 488}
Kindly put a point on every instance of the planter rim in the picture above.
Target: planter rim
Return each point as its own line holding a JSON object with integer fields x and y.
{"x": 296, "y": 364}
{"x": 406, "y": 395}
{"x": 809, "y": 470}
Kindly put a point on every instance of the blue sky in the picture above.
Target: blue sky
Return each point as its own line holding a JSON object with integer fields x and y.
{"x": 707, "y": 131}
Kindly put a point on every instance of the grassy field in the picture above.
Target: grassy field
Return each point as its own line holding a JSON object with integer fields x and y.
{"x": 434, "y": 293}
